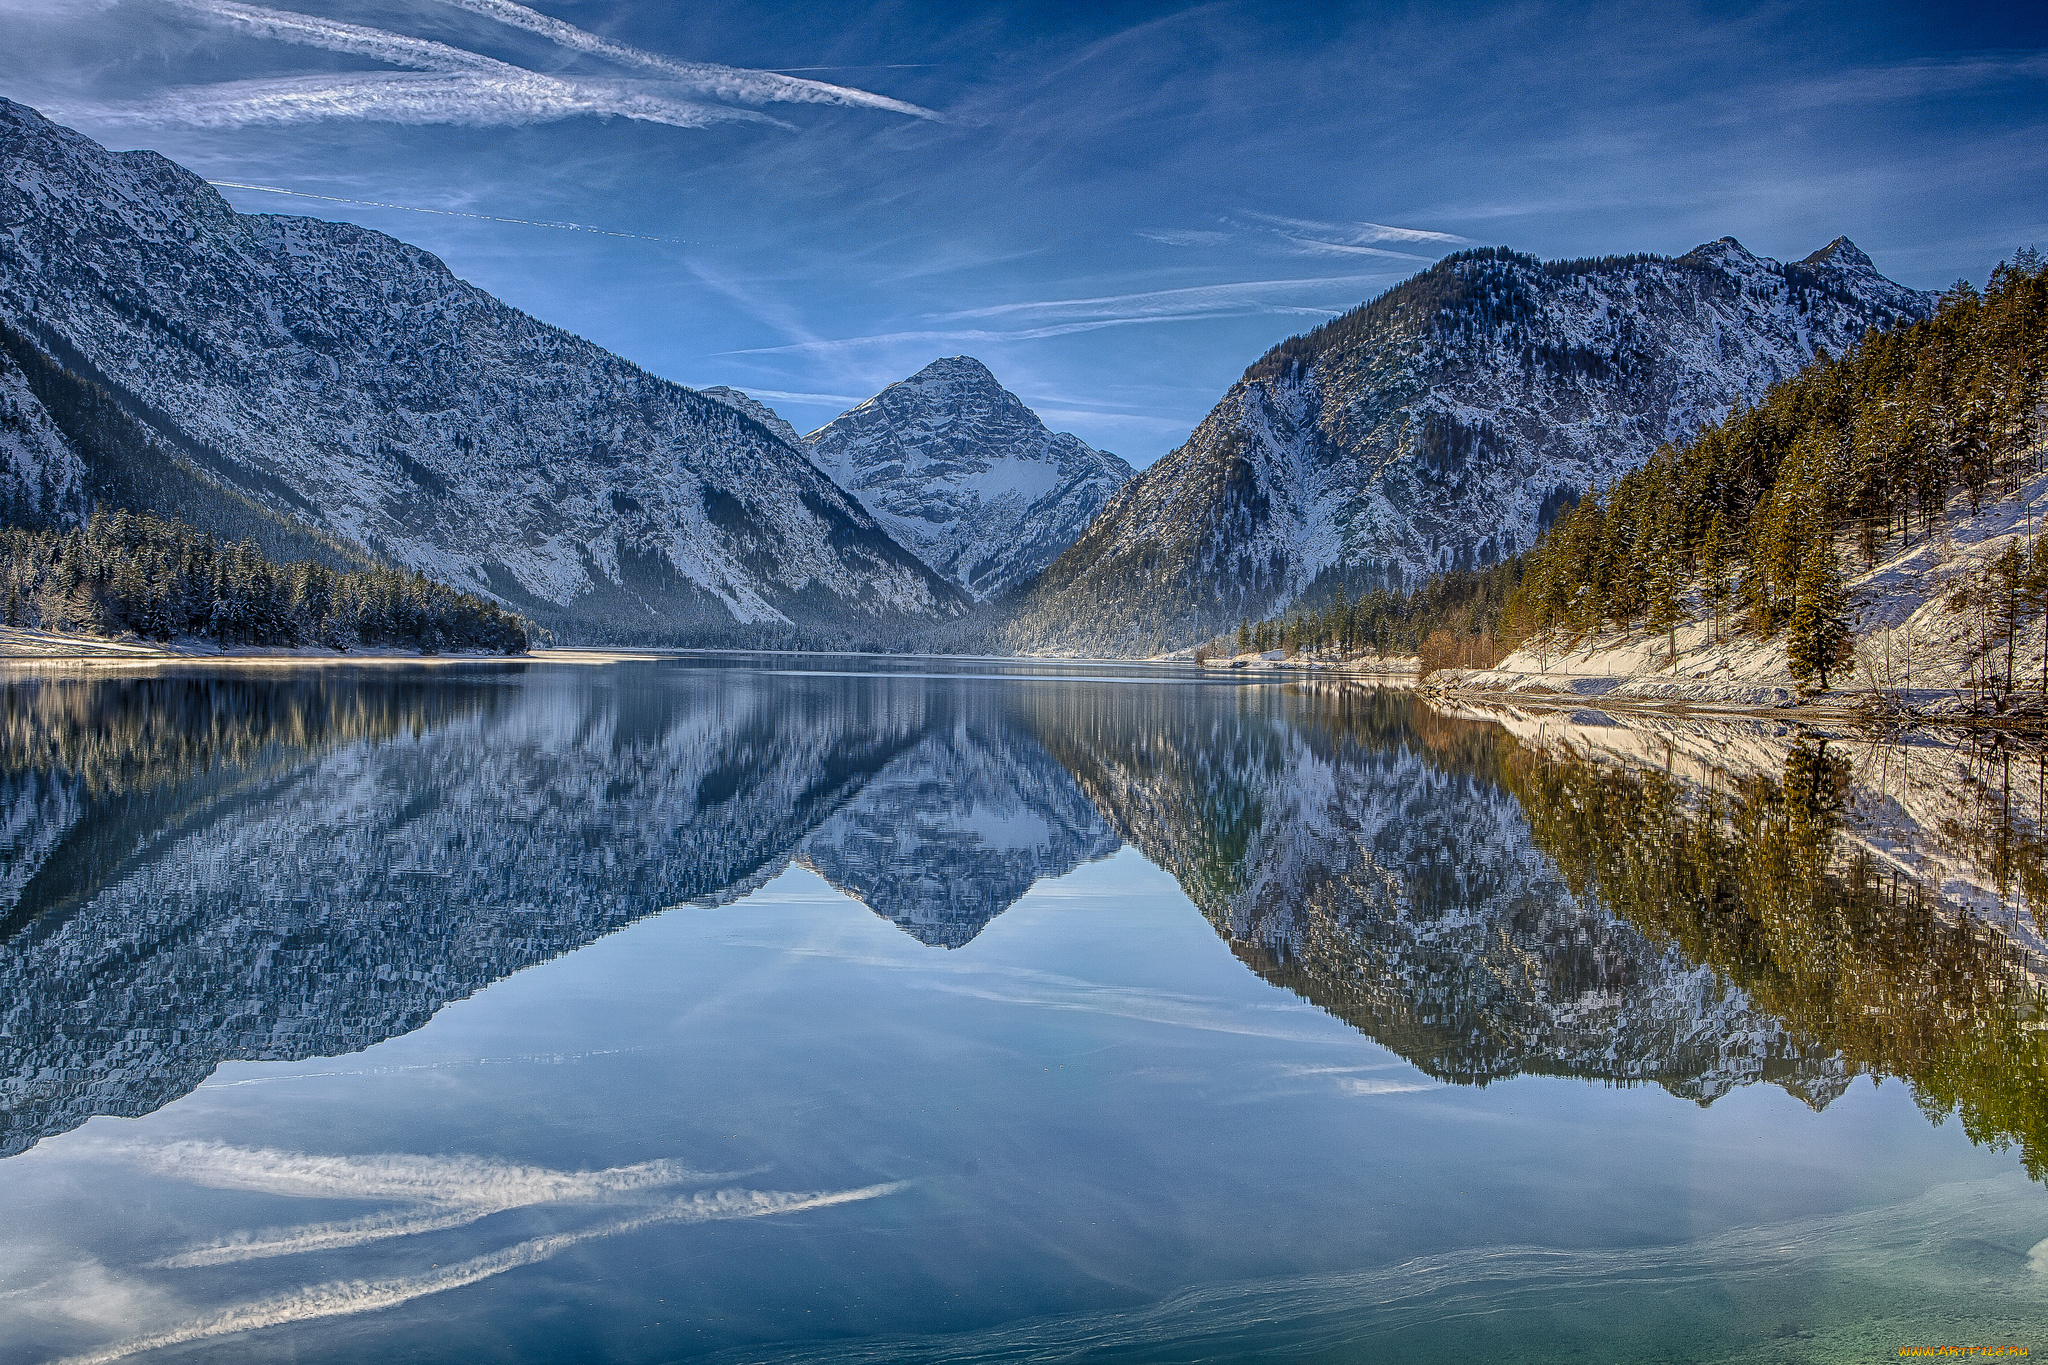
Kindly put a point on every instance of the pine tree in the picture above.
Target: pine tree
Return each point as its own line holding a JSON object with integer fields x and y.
{"x": 1820, "y": 621}
{"x": 2008, "y": 582}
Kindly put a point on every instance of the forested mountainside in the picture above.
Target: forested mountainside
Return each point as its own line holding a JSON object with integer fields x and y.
{"x": 960, "y": 471}
{"x": 1862, "y": 458}
{"x": 1442, "y": 426}
{"x": 124, "y": 574}
{"x": 342, "y": 388}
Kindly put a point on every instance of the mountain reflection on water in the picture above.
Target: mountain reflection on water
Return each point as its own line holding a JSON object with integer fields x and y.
{"x": 195, "y": 869}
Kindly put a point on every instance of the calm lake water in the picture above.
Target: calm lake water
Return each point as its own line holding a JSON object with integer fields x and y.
{"x": 728, "y": 1011}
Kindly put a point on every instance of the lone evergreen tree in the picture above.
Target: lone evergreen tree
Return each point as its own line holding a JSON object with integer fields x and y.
{"x": 1820, "y": 619}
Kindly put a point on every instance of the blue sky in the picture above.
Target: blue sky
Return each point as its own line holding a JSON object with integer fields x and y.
{"x": 1116, "y": 206}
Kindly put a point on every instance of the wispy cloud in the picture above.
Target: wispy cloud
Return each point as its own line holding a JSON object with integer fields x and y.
{"x": 1133, "y": 423}
{"x": 443, "y": 213}
{"x": 1908, "y": 80}
{"x": 442, "y": 83}
{"x": 1183, "y": 236}
{"x": 1312, "y": 237}
{"x": 418, "y": 54}
{"x": 1309, "y": 236}
{"x": 827, "y": 346}
{"x": 1065, "y": 317}
{"x": 339, "y": 1298}
{"x": 785, "y": 396}
{"x": 1359, "y": 234}
{"x": 469, "y": 98}
{"x": 721, "y": 82}
{"x": 1274, "y": 296}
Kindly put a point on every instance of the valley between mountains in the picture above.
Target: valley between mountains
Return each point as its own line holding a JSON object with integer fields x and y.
{"x": 325, "y": 395}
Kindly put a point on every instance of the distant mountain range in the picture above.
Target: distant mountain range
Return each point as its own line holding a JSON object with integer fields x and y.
{"x": 337, "y": 394}
{"x": 1442, "y": 426}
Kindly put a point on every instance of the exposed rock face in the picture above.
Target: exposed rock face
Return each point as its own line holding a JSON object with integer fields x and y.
{"x": 350, "y": 382}
{"x": 753, "y": 407}
{"x": 1443, "y": 426}
{"x": 959, "y": 470}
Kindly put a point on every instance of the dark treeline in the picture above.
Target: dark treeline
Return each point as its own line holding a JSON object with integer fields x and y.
{"x": 1746, "y": 517}
{"x": 1453, "y": 619}
{"x": 161, "y": 579}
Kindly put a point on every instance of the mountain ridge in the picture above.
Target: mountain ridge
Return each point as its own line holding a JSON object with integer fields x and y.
{"x": 1441, "y": 425}
{"x": 354, "y": 386}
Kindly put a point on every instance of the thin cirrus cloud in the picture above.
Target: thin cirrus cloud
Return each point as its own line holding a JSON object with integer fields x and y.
{"x": 1324, "y": 296}
{"x": 1183, "y": 236}
{"x": 464, "y": 98}
{"x": 1308, "y": 236}
{"x": 707, "y": 78}
{"x": 442, "y": 83}
{"x": 1261, "y": 296}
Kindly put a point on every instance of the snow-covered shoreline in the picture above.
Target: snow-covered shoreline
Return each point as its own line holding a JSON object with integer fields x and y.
{"x": 1919, "y": 649}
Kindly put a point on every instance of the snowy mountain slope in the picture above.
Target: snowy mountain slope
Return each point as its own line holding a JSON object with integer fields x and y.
{"x": 41, "y": 476}
{"x": 1373, "y": 866}
{"x": 960, "y": 471}
{"x": 760, "y": 412}
{"x": 1442, "y": 426}
{"x": 342, "y": 378}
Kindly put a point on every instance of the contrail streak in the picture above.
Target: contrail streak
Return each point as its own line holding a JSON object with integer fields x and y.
{"x": 447, "y": 213}
{"x": 726, "y": 82}
{"x": 338, "y": 1298}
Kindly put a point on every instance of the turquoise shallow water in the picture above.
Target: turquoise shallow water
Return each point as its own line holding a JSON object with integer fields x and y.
{"x": 675, "y": 1012}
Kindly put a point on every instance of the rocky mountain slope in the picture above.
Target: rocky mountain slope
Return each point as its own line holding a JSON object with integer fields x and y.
{"x": 346, "y": 382}
{"x": 1442, "y": 425}
{"x": 959, "y": 470}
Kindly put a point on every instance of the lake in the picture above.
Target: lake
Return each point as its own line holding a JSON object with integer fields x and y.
{"x": 758, "y": 1009}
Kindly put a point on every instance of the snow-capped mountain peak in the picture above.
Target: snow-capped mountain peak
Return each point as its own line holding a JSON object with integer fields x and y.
{"x": 961, "y": 471}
